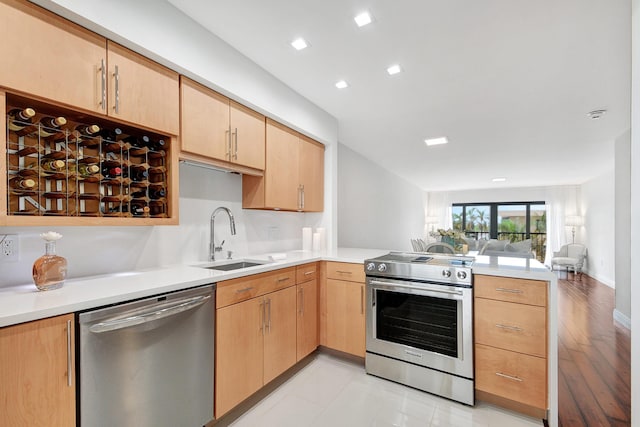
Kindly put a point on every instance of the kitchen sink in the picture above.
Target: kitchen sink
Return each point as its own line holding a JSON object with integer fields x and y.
{"x": 234, "y": 266}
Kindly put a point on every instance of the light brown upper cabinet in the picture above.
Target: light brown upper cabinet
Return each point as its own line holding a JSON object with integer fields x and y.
{"x": 294, "y": 174}
{"x": 215, "y": 128}
{"x": 141, "y": 91}
{"x": 51, "y": 58}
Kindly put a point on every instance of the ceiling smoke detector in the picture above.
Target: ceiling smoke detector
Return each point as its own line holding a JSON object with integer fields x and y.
{"x": 596, "y": 114}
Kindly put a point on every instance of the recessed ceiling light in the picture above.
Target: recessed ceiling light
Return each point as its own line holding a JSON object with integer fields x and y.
{"x": 501, "y": 179}
{"x": 342, "y": 84}
{"x": 436, "y": 141}
{"x": 596, "y": 114}
{"x": 299, "y": 43}
{"x": 394, "y": 69}
{"x": 363, "y": 19}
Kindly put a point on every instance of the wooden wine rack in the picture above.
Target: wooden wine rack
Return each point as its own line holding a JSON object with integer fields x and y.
{"x": 70, "y": 193}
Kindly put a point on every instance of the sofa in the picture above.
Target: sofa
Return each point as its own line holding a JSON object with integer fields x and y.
{"x": 494, "y": 247}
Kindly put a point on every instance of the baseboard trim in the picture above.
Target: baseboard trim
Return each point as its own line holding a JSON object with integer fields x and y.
{"x": 604, "y": 280}
{"x": 621, "y": 318}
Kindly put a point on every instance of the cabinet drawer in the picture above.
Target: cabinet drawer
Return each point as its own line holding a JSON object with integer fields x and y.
{"x": 345, "y": 271}
{"x": 511, "y": 375}
{"x": 516, "y": 327}
{"x": 243, "y": 288}
{"x": 524, "y": 291}
{"x": 306, "y": 272}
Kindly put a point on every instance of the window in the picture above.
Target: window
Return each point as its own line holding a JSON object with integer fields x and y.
{"x": 513, "y": 221}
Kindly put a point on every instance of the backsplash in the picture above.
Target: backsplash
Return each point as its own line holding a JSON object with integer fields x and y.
{"x": 100, "y": 250}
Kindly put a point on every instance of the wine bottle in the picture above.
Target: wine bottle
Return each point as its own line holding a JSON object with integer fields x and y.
{"x": 158, "y": 193}
{"x": 139, "y": 142}
{"x": 20, "y": 183}
{"x": 157, "y": 145}
{"x": 20, "y": 118}
{"x": 139, "y": 210}
{"x": 53, "y": 165}
{"x": 114, "y": 134}
{"x": 84, "y": 169}
{"x": 51, "y": 125}
{"x": 88, "y": 130}
{"x": 138, "y": 175}
{"x": 111, "y": 172}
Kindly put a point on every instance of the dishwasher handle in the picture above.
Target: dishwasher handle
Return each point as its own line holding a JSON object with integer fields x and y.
{"x": 143, "y": 315}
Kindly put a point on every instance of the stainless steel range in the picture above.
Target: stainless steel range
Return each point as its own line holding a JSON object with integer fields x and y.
{"x": 419, "y": 322}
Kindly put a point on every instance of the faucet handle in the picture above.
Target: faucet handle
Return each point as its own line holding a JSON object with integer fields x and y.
{"x": 229, "y": 253}
{"x": 219, "y": 248}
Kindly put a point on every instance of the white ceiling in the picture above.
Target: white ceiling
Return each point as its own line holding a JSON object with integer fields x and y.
{"x": 509, "y": 82}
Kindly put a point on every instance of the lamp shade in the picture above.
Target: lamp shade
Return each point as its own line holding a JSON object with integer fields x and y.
{"x": 573, "y": 221}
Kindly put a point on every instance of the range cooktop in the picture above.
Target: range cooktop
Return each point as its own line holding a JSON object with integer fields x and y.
{"x": 420, "y": 266}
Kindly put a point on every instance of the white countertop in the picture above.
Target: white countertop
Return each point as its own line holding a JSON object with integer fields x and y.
{"x": 25, "y": 303}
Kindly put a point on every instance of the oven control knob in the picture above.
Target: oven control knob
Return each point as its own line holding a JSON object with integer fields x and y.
{"x": 371, "y": 266}
{"x": 462, "y": 275}
{"x": 382, "y": 267}
{"x": 446, "y": 273}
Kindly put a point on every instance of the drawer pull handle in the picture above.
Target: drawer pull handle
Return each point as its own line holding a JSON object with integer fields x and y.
{"x": 239, "y": 291}
{"x": 510, "y": 328}
{"x": 343, "y": 272}
{"x": 511, "y": 291}
{"x": 509, "y": 377}
{"x": 307, "y": 273}
{"x": 284, "y": 279}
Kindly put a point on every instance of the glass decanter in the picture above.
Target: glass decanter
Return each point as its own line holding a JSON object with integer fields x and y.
{"x": 50, "y": 270}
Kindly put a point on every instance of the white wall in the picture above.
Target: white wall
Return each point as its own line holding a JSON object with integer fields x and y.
{"x": 100, "y": 250}
{"x": 623, "y": 227}
{"x": 376, "y": 209}
{"x": 598, "y": 211}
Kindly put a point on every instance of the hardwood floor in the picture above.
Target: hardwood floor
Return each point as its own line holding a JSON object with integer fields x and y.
{"x": 594, "y": 378}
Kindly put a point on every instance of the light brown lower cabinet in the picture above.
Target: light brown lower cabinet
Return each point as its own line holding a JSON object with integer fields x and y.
{"x": 255, "y": 342}
{"x": 345, "y": 316}
{"x": 307, "y": 323}
{"x": 37, "y": 388}
{"x": 510, "y": 317}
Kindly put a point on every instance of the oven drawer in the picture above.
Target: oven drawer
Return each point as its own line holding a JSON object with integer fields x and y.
{"x": 516, "y": 327}
{"x": 243, "y": 288}
{"x": 512, "y": 375}
{"x": 306, "y": 272}
{"x": 345, "y": 271}
{"x": 523, "y": 291}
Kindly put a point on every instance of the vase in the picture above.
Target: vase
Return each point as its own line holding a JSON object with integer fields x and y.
{"x": 449, "y": 240}
{"x": 50, "y": 270}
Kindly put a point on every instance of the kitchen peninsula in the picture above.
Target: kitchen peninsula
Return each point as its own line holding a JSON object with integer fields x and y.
{"x": 23, "y": 303}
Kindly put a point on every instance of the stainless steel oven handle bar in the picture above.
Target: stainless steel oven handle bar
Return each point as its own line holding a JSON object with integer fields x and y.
{"x": 417, "y": 288}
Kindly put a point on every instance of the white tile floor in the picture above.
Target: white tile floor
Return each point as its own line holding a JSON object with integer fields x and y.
{"x": 335, "y": 392}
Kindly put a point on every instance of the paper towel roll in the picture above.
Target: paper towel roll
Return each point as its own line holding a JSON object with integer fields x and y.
{"x": 316, "y": 242}
{"x": 323, "y": 238}
{"x": 306, "y": 239}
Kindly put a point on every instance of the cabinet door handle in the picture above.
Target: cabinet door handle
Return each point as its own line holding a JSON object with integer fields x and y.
{"x": 301, "y": 301}
{"x": 239, "y": 291}
{"x": 283, "y": 279}
{"x": 343, "y": 272}
{"x": 302, "y": 196}
{"x": 116, "y": 76}
{"x": 227, "y": 134}
{"x": 511, "y": 291}
{"x": 262, "y": 316}
{"x": 509, "y": 377}
{"x": 235, "y": 150}
{"x": 269, "y": 311}
{"x": 508, "y": 327}
{"x": 361, "y": 299}
{"x": 308, "y": 273}
{"x": 103, "y": 85}
{"x": 69, "y": 364}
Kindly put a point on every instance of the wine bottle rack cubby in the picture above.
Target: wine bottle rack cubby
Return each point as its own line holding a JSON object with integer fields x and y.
{"x": 118, "y": 171}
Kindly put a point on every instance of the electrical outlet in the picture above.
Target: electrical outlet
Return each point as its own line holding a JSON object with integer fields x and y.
{"x": 9, "y": 247}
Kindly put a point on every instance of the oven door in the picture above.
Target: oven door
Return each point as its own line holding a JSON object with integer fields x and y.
{"x": 427, "y": 324}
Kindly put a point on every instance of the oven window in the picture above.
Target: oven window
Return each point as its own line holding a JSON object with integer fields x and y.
{"x": 419, "y": 321}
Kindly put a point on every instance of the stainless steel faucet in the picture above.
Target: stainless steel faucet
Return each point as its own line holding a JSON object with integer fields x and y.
{"x": 212, "y": 246}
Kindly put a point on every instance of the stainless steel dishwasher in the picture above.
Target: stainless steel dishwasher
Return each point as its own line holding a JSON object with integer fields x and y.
{"x": 149, "y": 362}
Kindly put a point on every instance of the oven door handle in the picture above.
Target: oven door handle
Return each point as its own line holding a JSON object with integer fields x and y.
{"x": 417, "y": 288}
